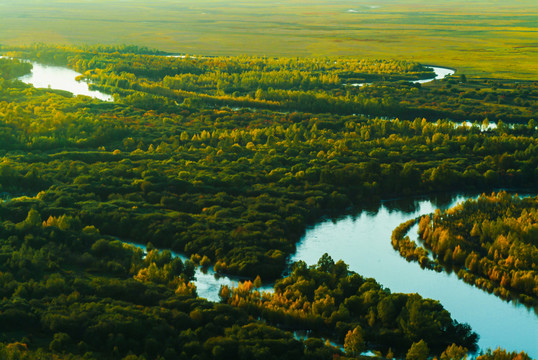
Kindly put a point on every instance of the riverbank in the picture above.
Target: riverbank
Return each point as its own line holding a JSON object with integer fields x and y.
{"x": 362, "y": 241}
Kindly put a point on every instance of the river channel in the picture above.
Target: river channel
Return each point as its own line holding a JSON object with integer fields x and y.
{"x": 63, "y": 78}
{"x": 440, "y": 73}
{"x": 363, "y": 242}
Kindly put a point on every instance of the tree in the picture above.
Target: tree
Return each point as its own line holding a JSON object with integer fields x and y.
{"x": 454, "y": 352}
{"x": 354, "y": 342}
{"x": 257, "y": 282}
{"x": 224, "y": 293}
{"x": 59, "y": 342}
{"x": 387, "y": 310}
{"x": 326, "y": 263}
{"x": 33, "y": 219}
{"x": 418, "y": 351}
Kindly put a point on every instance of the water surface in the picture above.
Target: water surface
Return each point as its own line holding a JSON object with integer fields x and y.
{"x": 440, "y": 73}
{"x": 60, "y": 78}
{"x": 363, "y": 242}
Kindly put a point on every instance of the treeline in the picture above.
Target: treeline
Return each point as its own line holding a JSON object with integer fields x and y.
{"x": 489, "y": 242}
{"x": 297, "y": 84}
{"x": 408, "y": 248}
{"x": 10, "y": 69}
{"x": 329, "y": 300}
{"x": 60, "y": 54}
{"x": 501, "y": 354}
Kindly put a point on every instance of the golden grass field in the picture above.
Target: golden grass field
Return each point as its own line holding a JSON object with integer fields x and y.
{"x": 486, "y": 38}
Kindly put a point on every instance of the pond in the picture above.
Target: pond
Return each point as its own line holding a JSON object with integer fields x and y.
{"x": 60, "y": 78}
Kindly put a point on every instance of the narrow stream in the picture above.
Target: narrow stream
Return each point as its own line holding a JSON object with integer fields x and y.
{"x": 440, "y": 73}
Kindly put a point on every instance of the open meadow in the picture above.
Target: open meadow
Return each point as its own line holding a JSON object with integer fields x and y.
{"x": 483, "y": 38}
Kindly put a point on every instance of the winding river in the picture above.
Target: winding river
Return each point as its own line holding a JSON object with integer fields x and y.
{"x": 440, "y": 73}
{"x": 363, "y": 242}
{"x": 62, "y": 78}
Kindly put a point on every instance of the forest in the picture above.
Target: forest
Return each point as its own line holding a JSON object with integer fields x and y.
{"x": 227, "y": 160}
{"x": 315, "y": 85}
{"x": 490, "y": 242}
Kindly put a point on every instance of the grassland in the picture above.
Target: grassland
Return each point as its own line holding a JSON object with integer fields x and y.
{"x": 487, "y": 38}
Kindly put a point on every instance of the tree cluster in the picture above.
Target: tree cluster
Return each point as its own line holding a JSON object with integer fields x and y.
{"x": 489, "y": 242}
{"x": 329, "y": 300}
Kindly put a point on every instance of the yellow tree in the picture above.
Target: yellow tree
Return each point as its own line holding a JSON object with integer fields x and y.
{"x": 354, "y": 342}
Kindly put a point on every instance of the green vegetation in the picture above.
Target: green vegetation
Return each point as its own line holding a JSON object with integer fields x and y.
{"x": 254, "y": 178}
{"x": 490, "y": 242}
{"x": 331, "y": 301}
{"x": 484, "y": 38}
{"x": 317, "y": 85}
{"x": 68, "y": 290}
{"x": 500, "y": 354}
{"x": 238, "y": 187}
{"x": 171, "y": 164}
{"x": 13, "y": 68}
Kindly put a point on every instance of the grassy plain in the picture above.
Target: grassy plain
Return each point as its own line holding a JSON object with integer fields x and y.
{"x": 487, "y": 38}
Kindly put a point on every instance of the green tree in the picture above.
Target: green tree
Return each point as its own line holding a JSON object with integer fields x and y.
{"x": 326, "y": 263}
{"x": 418, "y": 351}
{"x": 454, "y": 352}
{"x": 59, "y": 342}
{"x": 354, "y": 342}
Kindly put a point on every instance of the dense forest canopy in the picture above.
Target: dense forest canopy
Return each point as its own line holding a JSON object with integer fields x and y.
{"x": 192, "y": 156}
{"x": 68, "y": 290}
{"x": 237, "y": 186}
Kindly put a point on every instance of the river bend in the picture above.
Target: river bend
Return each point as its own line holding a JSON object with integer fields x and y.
{"x": 363, "y": 242}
